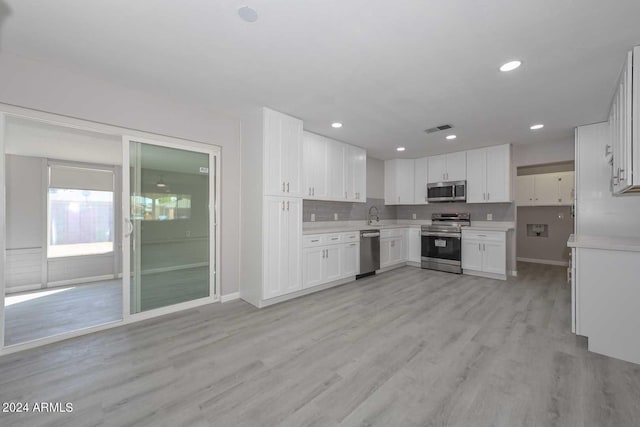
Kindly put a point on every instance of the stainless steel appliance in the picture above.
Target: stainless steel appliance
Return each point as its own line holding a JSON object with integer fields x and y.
{"x": 454, "y": 191}
{"x": 369, "y": 253}
{"x": 441, "y": 242}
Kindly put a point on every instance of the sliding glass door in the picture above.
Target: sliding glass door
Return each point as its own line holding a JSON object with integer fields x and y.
{"x": 169, "y": 225}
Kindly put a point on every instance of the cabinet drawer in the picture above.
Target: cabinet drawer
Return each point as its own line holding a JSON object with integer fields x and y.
{"x": 395, "y": 232}
{"x": 497, "y": 236}
{"x": 331, "y": 239}
{"x": 313, "y": 240}
{"x": 351, "y": 237}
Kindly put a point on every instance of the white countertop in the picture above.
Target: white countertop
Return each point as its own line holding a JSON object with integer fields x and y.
{"x": 347, "y": 226}
{"x": 631, "y": 244}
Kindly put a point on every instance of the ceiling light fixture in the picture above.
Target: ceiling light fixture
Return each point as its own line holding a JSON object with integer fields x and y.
{"x": 336, "y": 125}
{"x": 160, "y": 183}
{"x": 510, "y": 66}
{"x": 451, "y": 137}
{"x": 536, "y": 127}
{"x": 400, "y": 149}
{"x": 248, "y": 14}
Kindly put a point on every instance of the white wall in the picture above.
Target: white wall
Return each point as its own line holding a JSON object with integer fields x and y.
{"x": 46, "y": 87}
{"x": 375, "y": 178}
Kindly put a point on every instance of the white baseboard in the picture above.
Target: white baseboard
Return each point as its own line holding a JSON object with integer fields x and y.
{"x": 230, "y": 297}
{"x": 485, "y": 274}
{"x": 513, "y": 273}
{"x": 80, "y": 280}
{"x": 544, "y": 261}
{"x": 22, "y": 288}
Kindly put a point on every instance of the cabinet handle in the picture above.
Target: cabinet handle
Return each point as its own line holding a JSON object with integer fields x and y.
{"x": 353, "y": 244}
{"x": 283, "y": 205}
{"x": 607, "y": 150}
{"x": 479, "y": 247}
{"x": 313, "y": 241}
{"x": 287, "y": 205}
{"x": 287, "y": 187}
{"x": 483, "y": 247}
{"x": 488, "y": 196}
{"x": 621, "y": 173}
{"x": 559, "y": 200}
{"x": 345, "y": 195}
{"x": 309, "y": 190}
{"x": 283, "y": 186}
{"x": 313, "y": 191}
{"x": 327, "y": 253}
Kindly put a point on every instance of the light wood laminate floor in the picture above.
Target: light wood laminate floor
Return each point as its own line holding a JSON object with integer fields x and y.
{"x": 407, "y": 347}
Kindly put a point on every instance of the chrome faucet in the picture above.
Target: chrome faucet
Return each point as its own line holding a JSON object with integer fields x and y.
{"x": 373, "y": 216}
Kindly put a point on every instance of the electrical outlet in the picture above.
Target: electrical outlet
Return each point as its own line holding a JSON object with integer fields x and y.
{"x": 313, "y": 217}
{"x": 413, "y": 216}
{"x": 335, "y": 216}
{"x": 489, "y": 217}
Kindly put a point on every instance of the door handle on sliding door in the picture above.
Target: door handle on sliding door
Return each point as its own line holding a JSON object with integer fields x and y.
{"x": 129, "y": 225}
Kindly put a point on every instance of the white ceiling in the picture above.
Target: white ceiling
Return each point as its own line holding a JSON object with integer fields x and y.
{"x": 386, "y": 69}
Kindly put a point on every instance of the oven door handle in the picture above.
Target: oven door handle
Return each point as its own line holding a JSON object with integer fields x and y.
{"x": 435, "y": 234}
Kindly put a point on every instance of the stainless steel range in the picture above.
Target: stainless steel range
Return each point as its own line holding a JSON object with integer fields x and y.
{"x": 441, "y": 242}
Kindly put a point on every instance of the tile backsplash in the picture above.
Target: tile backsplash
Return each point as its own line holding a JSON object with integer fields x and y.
{"x": 347, "y": 211}
{"x": 478, "y": 211}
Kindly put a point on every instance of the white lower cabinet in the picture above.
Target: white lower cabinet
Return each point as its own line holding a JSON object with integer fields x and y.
{"x": 414, "y": 238}
{"x": 328, "y": 258}
{"x": 283, "y": 233}
{"x": 484, "y": 253}
{"x": 393, "y": 247}
{"x": 350, "y": 256}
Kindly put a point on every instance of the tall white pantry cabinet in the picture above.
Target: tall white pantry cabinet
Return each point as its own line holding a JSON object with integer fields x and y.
{"x": 271, "y": 265}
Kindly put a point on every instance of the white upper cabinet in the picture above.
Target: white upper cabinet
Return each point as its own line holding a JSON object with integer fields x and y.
{"x": 398, "y": 182}
{"x": 314, "y": 149}
{"x": 420, "y": 179}
{"x": 489, "y": 175}
{"x": 333, "y": 170}
{"x": 548, "y": 189}
{"x": 448, "y": 167}
{"x": 282, "y": 154}
{"x": 355, "y": 162}
{"x": 624, "y": 128}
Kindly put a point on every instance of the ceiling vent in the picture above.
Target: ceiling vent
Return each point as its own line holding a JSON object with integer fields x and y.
{"x": 438, "y": 128}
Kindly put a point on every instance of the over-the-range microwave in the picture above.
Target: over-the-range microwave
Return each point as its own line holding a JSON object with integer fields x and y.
{"x": 454, "y": 191}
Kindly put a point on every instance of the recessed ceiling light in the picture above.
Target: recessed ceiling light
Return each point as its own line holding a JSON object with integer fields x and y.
{"x": 248, "y": 14}
{"x": 536, "y": 127}
{"x": 510, "y": 66}
{"x": 451, "y": 137}
{"x": 336, "y": 125}
{"x": 400, "y": 149}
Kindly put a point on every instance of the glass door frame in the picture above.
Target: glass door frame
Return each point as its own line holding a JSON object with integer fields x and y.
{"x": 214, "y": 152}
{"x": 214, "y": 228}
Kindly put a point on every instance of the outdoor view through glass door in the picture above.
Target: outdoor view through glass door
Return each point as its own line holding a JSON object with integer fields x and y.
{"x": 170, "y": 226}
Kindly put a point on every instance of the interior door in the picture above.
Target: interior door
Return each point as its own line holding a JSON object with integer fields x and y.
{"x": 170, "y": 225}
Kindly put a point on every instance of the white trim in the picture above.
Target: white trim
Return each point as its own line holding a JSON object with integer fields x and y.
{"x": 81, "y": 280}
{"x": 3, "y": 235}
{"x": 544, "y": 261}
{"x": 230, "y": 297}
{"x": 484, "y": 274}
{"x": 23, "y": 288}
{"x": 307, "y": 291}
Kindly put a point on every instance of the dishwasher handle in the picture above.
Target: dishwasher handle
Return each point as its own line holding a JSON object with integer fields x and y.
{"x": 365, "y": 235}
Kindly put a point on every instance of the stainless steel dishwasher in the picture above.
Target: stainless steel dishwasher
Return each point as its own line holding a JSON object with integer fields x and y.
{"x": 369, "y": 253}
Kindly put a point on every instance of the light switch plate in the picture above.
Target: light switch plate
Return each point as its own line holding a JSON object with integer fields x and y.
{"x": 335, "y": 216}
{"x": 313, "y": 217}
{"x": 489, "y": 217}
